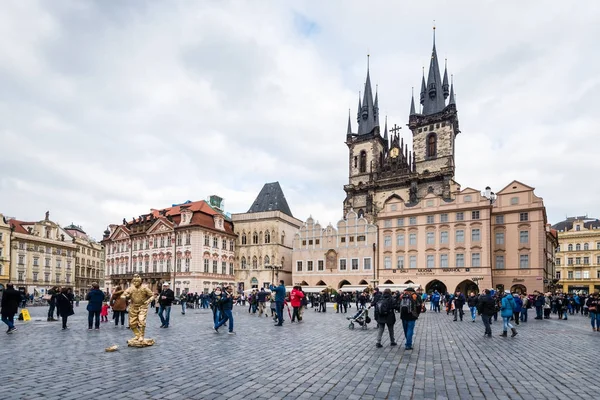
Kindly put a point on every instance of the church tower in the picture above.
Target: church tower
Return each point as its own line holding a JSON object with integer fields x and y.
{"x": 367, "y": 149}
{"x": 435, "y": 127}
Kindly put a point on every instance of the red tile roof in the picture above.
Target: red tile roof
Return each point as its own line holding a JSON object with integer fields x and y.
{"x": 18, "y": 225}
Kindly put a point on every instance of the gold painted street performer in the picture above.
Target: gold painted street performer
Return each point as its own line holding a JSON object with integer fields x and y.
{"x": 140, "y": 297}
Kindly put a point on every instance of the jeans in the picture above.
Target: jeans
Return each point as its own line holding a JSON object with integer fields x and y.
{"x": 524, "y": 315}
{"x": 409, "y": 328}
{"x": 381, "y": 328}
{"x": 10, "y": 321}
{"x": 163, "y": 319}
{"x": 487, "y": 322}
{"x": 51, "y": 309}
{"x": 594, "y": 317}
{"x": 457, "y": 312}
{"x": 227, "y": 316}
{"x": 116, "y": 316}
{"x": 279, "y": 311}
{"x": 183, "y": 306}
{"x": 473, "y": 313}
{"x": 436, "y": 306}
{"x": 507, "y": 324}
{"x": 296, "y": 314}
{"x": 538, "y": 312}
{"x": 94, "y": 317}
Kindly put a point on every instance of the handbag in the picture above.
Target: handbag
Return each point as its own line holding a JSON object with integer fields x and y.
{"x": 47, "y": 297}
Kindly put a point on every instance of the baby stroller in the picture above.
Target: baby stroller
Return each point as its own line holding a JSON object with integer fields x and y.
{"x": 361, "y": 318}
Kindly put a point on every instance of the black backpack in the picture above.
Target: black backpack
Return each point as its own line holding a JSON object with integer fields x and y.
{"x": 384, "y": 306}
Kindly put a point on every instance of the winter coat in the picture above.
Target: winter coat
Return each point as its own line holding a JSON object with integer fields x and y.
{"x": 169, "y": 297}
{"x": 508, "y": 306}
{"x": 117, "y": 303}
{"x": 226, "y": 301}
{"x": 539, "y": 301}
{"x": 95, "y": 298}
{"x": 472, "y": 301}
{"x": 10, "y": 302}
{"x": 296, "y": 298}
{"x": 64, "y": 304}
{"x": 390, "y": 317}
{"x": 518, "y": 303}
{"x": 279, "y": 292}
{"x": 486, "y": 306}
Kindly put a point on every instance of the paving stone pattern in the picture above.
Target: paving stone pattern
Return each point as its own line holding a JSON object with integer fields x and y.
{"x": 317, "y": 359}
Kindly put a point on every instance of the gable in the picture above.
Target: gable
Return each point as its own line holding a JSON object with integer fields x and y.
{"x": 515, "y": 187}
{"x": 160, "y": 226}
{"x": 119, "y": 233}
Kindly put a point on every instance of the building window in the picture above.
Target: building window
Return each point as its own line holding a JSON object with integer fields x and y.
{"x": 223, "y": 268}
{"x": 499, "y": 219}
{"x": 35, "y": 259}
{"x": 243, "y": 238}
{"x": 514, "y": 201}
{"x": 309, "y": 266}
{"x": 431, "y": 145}
{"x": 586, "y": 274}
{"x": 578, "y": 247}
{"x": 558, "y": 261}
{"x": 255, "y": 262}
{"x": 343, "y": 239}
{"x": 206, "y": 265}
{"x": 577, "y": 260}
{"x": 215, "y": 242}
{"x": 342, "y": 264}
{"x": 393, "y": 207}
{"x": 387, "y": 262}
{"x": 443, "y": 260}
{"x": 524, "y": 261}
{"x": 243, "y": 263}
{"x": 430, "y": 219}
{"x": 570, "y": 247}
{"x": 363, "y": 162}
{"x": 475, "y": 235}
{"x": 569, "y": 274}
{"x": 318, "y": 241}
{"x": 577, "y": 274}
{"x": 400, "y": 262}
{"x": 162, "y": 241}
{"x": 557, "y": 275}
{"x": 443, "y": 218}
{"x": 460, "y": 260}
{"x": 22, "y": 260}
{"x": 400, "y": 222}
{"x": 597, "y": 245}
{"x": 412, "y": 261}
{"x": 460, "y": 236}
{"x": 21, "y": 275}
{"x": 267, "y": 237}
{"x": 231, "y": 245}
{"x": 524, "y": 237}
{"x": 524, "y": 217}
{"x": 387, "y": 241}
{"x": 468, "y": 199}
{"x": 577, "y": 228}
{"x": 499, "y": 237}
{"x": 570, "y": 261}
{"x": 476, "y": 260}
{"x": 267, "y": 260}
{"x": 474, "y": 214}
{"x": 215, "y": 266}
{"x": 460, "y": 216}
{"x": 47, "y": 261}
{"x": 499, "y": 262}
{"x": 35, "y": 276}
{"x": 586, "y": 247}
{"x": 230, "y": 268}
{"x": 412, "y": 221}
{"x": 430, "y": 261}
{"x": 320, "y": 265}
{"x": 430, "y": 237}
{"x": 598, "y": 260}
{"x": 444, "y": 237}
{"x": 187, "y": 265}
{"x": 354, "y": 265}
{"x": 400, "y": 240}
{"x": 387, "y": 223}
{"x": 412, "y": 239}
{"x": 255, "y": 238}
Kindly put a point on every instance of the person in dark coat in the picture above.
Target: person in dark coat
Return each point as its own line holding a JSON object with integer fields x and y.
{"x": 10, "y": 305}
{"x": 486, "y": 307}
{"x": 387, "y": 318}
{"x": 63, "y": 301}
{"x": 95, "y": 298}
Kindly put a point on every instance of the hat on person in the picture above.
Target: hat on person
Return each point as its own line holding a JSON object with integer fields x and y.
{"x": 409, "y": 289}
{"x": 166, "y": 284}
{"x": 507, "y": 291}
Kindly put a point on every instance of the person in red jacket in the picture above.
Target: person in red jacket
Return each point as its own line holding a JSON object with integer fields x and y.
{"x": 296, "y": 296}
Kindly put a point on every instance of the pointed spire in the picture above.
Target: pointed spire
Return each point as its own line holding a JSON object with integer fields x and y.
{"x": 445, "y": 83}
{"x": 359, "y": 109}
{"x": 412, "y": 102}
{"x": 452, "y": 99}
{"x": 423, "y": 88}
{"x": 349, "y": 131}
{"x": 376, "y": 105}
{"x": 385, "y": 131}
{"x": 434, "y": 100}
{"x": 368, "y": 117}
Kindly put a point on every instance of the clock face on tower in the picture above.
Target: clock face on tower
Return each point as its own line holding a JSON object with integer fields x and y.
{"x": 394, "y": 152}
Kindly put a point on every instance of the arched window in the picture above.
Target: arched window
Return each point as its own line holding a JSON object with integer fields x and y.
{"x": 586, "y": 246}
{"x": 282, "y": 238}
{"x": 267, "y": 260}
{"x": 432, "y": 145}
{"x": 243, "y": 238}
{"x": 254, "y": 262}
{"x": 260, "y": 238}
{"x": 243, "y": 262}
{"x": 570, "y": 248}
{"x": 267, "y": 237}
{"x": 361, "y": 213}
{"x": 363, "y": 161}
{"x": 577, "y": 247}
{"x": 255, "y": 238}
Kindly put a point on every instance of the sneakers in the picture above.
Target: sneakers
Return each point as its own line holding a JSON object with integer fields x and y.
{"x": 378, "y": 345}
{"x": 231, "y": 333}
{"x": 11, "y": 330}
{"x": 393, "y": 344}
{"x": 408, "y": 348}
{"x": 216, "y": 330}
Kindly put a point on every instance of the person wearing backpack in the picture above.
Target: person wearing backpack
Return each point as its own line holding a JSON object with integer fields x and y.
{"x": 385, "y": 315}
{"x": 507, "y": 311}
{"x": 410, "y": 308}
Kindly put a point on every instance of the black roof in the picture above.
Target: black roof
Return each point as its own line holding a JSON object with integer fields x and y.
{"x": 567, "y": 224}
{"x": 271, "y": 198}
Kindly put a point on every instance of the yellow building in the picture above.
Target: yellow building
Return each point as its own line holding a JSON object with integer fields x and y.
{"x": 89, "y": 260}
{"x": 4, "y": 252}
{"x": 578, "y": 255}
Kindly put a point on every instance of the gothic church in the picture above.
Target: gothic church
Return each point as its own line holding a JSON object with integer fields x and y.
{"x": 381, "y": 166}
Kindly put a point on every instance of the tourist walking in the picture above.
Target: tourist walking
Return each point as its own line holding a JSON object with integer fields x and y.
{"x": 385, "y": 315}
{"x": 51, "y": 296}
{"x": 526, "y": 304}
{"x": 435, "y": 301}
{"x": 95, "y": 298}
{"x": 165, "y": 300}
{"x": 486, "y": 306}
{"x": 593, "y": 307}
{"x": 279, "y": 299}
{"x": 65, "y": 306}
{"x": 507, "y": 311}
{"x": 459, "y": 302}
{"x": 410, "y": 308}
{"x": 262, "y": 298}
{"x": 215, "y": 304}
{"x": 118, "y": 305}
{"x": 518, "y": 308}
{"x": 10, "y": 306}
{"x": 539, "y": 304}
{"x": 472, "y": 303}
{"x": 296, "y": 297}
{"x": 226, "y": 302}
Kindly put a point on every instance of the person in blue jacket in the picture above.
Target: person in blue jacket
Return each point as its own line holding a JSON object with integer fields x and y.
{"x": 95, "y": 297}
{"x": 518, "y": 307}
{"x": 279, "y": 299}
{"x": 507, "y": 311}
{"x": 435, "y": 301}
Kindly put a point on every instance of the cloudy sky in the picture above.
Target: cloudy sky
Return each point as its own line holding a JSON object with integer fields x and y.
{"x": 110, "y": 108}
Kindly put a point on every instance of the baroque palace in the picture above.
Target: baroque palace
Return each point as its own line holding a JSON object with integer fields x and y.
{"x": 409, "y": 221}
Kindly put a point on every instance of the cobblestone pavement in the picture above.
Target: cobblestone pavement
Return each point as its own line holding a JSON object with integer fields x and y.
{"x": 317, "y": 359}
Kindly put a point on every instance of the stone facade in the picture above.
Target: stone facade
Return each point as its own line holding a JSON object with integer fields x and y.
{"x": 264, "y": 244}
{"x": 335, "y": 256}
{"x": 196, "y": 237}
{"x": 578, "y": 255}
{"x": 89, "y": 260}
{"x": 42, "y": 256}
{"x": 5, "y": 235}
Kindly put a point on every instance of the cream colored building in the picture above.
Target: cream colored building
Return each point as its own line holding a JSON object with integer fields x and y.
{"x": 89, "y": 260}
{"x": 578, "y": 255}
{"x": 42, "y": 256}
{"x": 190, "y": 245}
{"x": 335, "y": 257}
{"x": 5, "y": 235}
{"x": 264, "y": 240}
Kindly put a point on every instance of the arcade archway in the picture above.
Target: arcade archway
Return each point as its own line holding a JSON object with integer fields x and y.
{"x": 467, "y": 286}
{"x": 409, "y": 282}
{"x": 321, "y": 283}
{"x": 519, "y": 289}
{"x": 363, "y": 282}
{"x": 388, "y": 282}
{"x": 342, "y": 283}
{"x": 436, "y": 285}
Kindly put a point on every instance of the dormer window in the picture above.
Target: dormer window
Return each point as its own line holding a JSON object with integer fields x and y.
{"x": 577, "y": 227}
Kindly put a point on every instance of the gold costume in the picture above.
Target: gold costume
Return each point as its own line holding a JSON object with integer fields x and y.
{"x": 140, "y": 298}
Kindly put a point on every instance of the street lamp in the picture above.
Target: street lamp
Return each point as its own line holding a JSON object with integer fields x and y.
{"x": 274, "y": 268}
